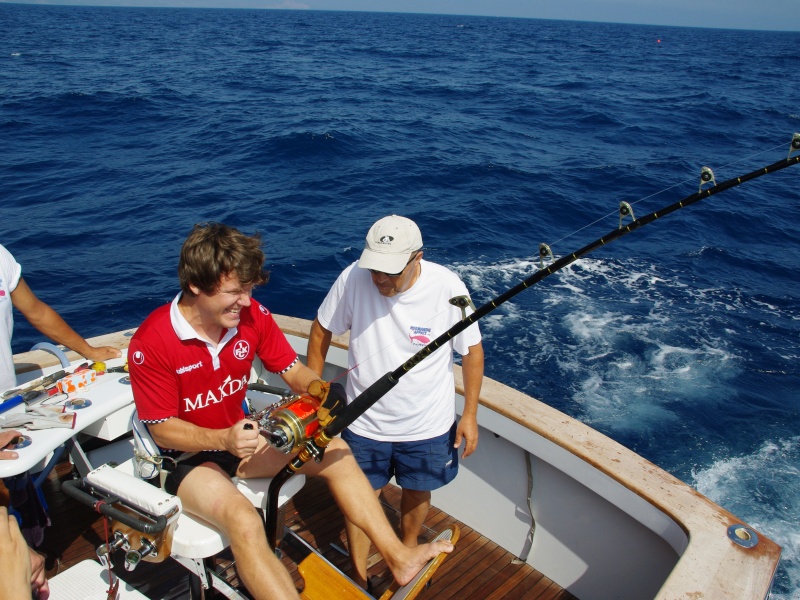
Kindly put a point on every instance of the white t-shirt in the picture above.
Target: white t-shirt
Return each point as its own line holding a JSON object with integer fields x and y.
{"x": 386, "y": 332}
{"x": 10, "y": 272}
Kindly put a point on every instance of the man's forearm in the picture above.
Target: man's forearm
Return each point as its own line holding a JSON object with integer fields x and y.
{"x": 319, "y": 341}
{"x": 51, "y": 324}
{"x": 472, "y": 373}
{"x": 177, "y": 434}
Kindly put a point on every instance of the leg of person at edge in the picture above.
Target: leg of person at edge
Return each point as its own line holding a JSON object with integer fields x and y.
{"x": 21, "y": 569}
{"x": 393, "y": 303}
{"x": 14, "y": 291}
{"x": 190, "y": 363}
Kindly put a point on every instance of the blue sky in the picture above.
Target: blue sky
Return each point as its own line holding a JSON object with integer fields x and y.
{"x": 737, "y": 14}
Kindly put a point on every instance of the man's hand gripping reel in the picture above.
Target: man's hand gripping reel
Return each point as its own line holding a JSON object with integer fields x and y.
{"x": 291, "y": 423}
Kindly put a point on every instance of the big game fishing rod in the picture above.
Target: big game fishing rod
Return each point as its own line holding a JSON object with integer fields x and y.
{"x": 314, "y": 447}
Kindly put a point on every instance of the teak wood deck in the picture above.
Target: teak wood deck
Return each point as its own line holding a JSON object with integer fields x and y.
{"x": 477, "y": 570}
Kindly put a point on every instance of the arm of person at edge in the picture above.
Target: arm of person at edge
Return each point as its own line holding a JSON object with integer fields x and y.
{"x": 50, "y": 323}
{"x": 7, "y": 437}
{"x": 472, "y": 373}
{"x": 15, "y": 566}
{"x": 239, "y": 441}
{"x": 39, "y": 585}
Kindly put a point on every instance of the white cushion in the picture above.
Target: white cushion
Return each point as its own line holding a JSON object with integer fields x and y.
{"x": 194, "y": 537}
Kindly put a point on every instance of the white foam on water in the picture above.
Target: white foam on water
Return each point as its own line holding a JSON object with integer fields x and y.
{"x": 763, "y": 488}
{"x": 629, "y": 347}
{"x": 618, "y": 334}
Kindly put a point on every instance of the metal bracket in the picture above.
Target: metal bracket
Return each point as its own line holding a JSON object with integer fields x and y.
{"x": 795, "y": 145}
{"x": 463, "y": 302}
{"x": 625, "y": 210}
{"x": 706, "y": 176}
{"x": 544, "y": 252}
{"x": 53, "y": 349}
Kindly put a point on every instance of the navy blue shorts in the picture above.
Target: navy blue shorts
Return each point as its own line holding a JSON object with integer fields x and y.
{"x": 423, "y": 465}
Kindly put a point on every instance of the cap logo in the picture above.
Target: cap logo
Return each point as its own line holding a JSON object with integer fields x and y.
{"x": 386, "y": 239}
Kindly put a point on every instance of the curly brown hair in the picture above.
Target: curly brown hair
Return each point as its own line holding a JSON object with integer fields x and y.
{"x": 213, "y": 250}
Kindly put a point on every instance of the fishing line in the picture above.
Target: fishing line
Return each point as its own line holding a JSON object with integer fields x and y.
{"x": 373, "y": 393}
{"x": 388, "y": 381}
{"x": 686, "y": 181}
{"x": 314, "y": 448}
{"x": 396, "y": 340}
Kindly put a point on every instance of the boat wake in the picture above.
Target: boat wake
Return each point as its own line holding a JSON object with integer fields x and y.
{"x": 762, "y": 488}
{"x": 667, "y": 365}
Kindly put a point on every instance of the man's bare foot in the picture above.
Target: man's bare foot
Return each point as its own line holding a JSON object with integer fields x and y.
{"x": 405, "y": 567}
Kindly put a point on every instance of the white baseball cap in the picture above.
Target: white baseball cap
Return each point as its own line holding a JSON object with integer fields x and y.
{"x": 390, "y": 244}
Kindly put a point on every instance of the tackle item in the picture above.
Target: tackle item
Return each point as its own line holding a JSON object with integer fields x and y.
{"x": 289, "y": 423}
{"x": 373, "y": 393}
{"x": 42, "y": 383}
{"x": 38, "y": 418}
{"x": 30, "y": 398}
{"x": 77, "y": 381}
{"x": 11, "y": 403}
{"x": 293, "y": 420}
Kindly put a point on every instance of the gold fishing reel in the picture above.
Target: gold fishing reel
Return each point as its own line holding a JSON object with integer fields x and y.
{"x": 294, "y": 420}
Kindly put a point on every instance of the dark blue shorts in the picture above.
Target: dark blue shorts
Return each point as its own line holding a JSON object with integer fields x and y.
{"x": 423, "y": 465}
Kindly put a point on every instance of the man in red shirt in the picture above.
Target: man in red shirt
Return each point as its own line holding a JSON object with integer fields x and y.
{"x": 190, "y": 363}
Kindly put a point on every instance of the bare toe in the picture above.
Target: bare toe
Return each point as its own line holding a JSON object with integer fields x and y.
{"x": 419, "y": 558}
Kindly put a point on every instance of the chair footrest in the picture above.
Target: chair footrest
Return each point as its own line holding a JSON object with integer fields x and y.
{"x": 88, "y": 579}
{"x": 324, "y": 581}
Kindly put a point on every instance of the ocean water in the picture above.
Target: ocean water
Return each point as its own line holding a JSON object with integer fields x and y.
{"x": 120, "y": 128}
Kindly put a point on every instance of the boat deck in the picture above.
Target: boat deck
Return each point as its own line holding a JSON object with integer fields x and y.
{"x": 477, "y": 570}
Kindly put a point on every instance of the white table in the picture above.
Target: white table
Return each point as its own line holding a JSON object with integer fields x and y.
{"x": 107, "y": 418}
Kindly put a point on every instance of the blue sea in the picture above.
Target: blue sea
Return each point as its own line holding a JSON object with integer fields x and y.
{"x": 122, "y": 127}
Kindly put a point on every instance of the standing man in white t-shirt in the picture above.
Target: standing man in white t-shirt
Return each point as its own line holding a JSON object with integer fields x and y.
{"x": 14, "y": 291}
{"x": 394, "y": 303}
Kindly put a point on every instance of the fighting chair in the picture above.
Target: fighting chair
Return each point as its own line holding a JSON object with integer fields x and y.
{"x": 149, "y": 524}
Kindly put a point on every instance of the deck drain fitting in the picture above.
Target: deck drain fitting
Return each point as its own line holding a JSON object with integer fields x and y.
{"x": 742, "y": 535}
